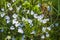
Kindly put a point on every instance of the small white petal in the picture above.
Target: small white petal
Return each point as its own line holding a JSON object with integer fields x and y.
{"x": 33, "y": 32}
{"x": 12, "y": 28}
{"x": 49, "y": 28}
{"x": 40, "y": 17}
{"x": 8, "y": 37}
{"x": 35, "y": 16}
{"x": 10, "y": 8}
{"x": 38, "y": 5}
{"x": 28, "y": 11}
{"x": 8, "y": 4}
{"x": 17, "y": 24}
{"x": 2, "y": 14}
{"x": 15, "y": 16}
{"x": 56, "y": 24}
{"x": 32, "y": 13}
{"x": 14, "y": 21}
{"x": 2, "y": 9}
{"x": 13, "y": 38}
{"x": 29, "y": 21}
{"x": 23, "y": 37}
{"x": 52, "y": 25}
{"x": 23, "y": 18}
{"x": 31, "y": 24}
{"x": 18, "y": 8}
{"x": 44, "y": 20}
{"x": 42, "y": 36}
{"x": 13, "y": 0}
{"x": 31, "y": 39}
{"x": 47, "y": 35}
{"x": 24, "y": 10}
{"x": 7, "y": 17}
{"x": 21, "y": 25}
{"x": 44, "y": 29}
{"x": 48, "y": 8}
{"x": 20, "y": 30}
{"x": 8, "y": 21}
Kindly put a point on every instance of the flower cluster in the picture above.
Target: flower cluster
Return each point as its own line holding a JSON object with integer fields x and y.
{"x": 21, "y": 14}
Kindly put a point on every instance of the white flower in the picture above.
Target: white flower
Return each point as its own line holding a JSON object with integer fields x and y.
{"x": 14, "y": 21}
{"x": 35, "y": 16}
{"x": 2, "y": 14}
{"x": 7, "y": 17}
{"x": 24, "y": 10}
{"x": 2, "y": 9}
{"x": 44, "y": 20}
{"x": 49, "y": 28}
{"x": 20, "y": 30}
{"x": 44, "y": 29}
{"x": 13, "y": 0}
{"x": 8, "y": 4}
{"x": 10, "y": 8}
{"x": 23, "y": 37}
{"x": 8, "y": 37}
{"x": 40, "y": 17}
{"x": 56, "y": 24}
{"x": 31, "y": 24}
{"x": 12, "y": 28}
{"x": 18, "y": 8}
{"x": 17, "y": 24}
{"x": 8, "y": 21}
{"x": 28, "y": 11}
{"x": 23, "y": 18}
{"x": 21, "y": 25}
{"x": 47, "y": 34}
{"x": 33, "y": 32}
{"x": 48, "y": 8}
{"x": 42, "y": 36}
{"x": 14, "y": 15}
{"x": 31, "y": 39}
{"x": 29, "y": 21}
{"x": 38, "y": 5}
{"x": 13, "y": 38}
{"x": 32, "y": 13}
{"x": 52, "y": 25}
